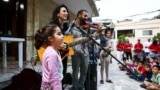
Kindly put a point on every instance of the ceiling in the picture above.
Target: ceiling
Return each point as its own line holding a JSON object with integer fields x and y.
{"x": 75, "y": 5}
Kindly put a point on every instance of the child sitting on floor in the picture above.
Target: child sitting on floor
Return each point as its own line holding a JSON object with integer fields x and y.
{"x": 140, "y": 71}
{"x": 155, "y": 84}
{"x": 152, "y": 62}
{"x": 148, "y": 73}
{"x": 122, "y": 67}
{"x": 131, "y": 66}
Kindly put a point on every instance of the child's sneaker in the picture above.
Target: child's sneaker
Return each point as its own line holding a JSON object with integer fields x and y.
{"x": 101, "y": 82}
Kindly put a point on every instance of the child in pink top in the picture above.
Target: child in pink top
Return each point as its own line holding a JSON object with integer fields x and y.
{"x": 133, "y": 65}
{"x": 51, "y": 62}
{"x": 152, "y": 62}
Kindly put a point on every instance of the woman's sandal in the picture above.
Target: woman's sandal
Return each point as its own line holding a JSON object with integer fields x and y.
{"x": 109, "y": 81}
{"x": 143, "y": 86}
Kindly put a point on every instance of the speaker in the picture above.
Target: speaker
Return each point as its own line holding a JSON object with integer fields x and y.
{"x": 91, "y": 80}
{"x": 27, "y": 79}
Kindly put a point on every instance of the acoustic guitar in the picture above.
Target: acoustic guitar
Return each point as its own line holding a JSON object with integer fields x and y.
{"x": 72, "y": 43}
{"x": 64, "y": 53}
{"x": 69, "y": 40}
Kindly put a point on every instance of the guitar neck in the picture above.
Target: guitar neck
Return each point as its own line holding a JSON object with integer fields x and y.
{"x": 84, "y": 39}
{"x": 78, "y": 41}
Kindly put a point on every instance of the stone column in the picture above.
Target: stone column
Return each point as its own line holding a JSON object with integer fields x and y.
{"x": 32, "y": 26}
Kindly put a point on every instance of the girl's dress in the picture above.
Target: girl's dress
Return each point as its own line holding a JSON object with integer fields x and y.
{"x": 51, "y": 70}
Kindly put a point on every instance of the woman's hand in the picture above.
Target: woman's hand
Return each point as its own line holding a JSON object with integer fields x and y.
{"x": 108, "y": 48}
{"x": 100, "y": 27}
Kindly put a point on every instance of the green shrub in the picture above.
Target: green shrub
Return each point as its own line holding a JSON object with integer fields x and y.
{"x": 156, "y": 37}
{"x": 122, "y": 38}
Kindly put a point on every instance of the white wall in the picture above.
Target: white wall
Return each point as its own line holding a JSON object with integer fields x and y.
{"x": 139, "y": 27}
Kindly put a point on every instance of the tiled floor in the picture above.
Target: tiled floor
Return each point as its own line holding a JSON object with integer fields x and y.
{"x": 120, "y": 79}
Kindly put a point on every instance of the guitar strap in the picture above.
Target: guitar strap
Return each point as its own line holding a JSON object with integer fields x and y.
{"x": 68, "y": 32}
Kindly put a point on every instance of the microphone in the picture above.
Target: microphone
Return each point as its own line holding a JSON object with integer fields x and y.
{"x": 70, "y": 27}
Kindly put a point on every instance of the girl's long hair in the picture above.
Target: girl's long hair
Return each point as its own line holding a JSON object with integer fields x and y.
{"x": 41, "y": 36}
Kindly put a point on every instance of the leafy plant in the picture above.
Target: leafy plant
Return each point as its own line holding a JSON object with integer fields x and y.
{"x": 156, "y": 37}
{"x": 130, "y": 35}
{"x": 122, "y": 38}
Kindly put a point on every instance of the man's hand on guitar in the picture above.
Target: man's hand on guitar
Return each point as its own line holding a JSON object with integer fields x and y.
{"x": 77, "y": 39}
{"x": 63, "y": 47}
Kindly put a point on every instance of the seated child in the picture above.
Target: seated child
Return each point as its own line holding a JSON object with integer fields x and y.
{"x": 131, "y": 66}
{"x": 152, "y": 62}
{"x": 122, "y": 67}
{"x": 139, "y": 71}
{"x": 155, "y": 84}
{"x": 148, "y": 73}
{"x": 158, "y": 60}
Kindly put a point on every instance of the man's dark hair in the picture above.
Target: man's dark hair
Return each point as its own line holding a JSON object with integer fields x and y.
{"x": 155, "y": 42}
{"x": 141, "y": 62}
{"x": 148, "y": 65}
{"x": 81, "y": 11}
{"x": 157, "y": 66}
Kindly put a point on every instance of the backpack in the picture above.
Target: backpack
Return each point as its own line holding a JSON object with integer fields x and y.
{"x": 27, "y": 79}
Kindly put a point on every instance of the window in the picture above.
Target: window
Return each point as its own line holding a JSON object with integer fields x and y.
{"x": 147, "y": 32}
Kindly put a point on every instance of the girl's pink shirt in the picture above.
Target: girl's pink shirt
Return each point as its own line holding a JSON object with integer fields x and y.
{"x": 52, "y": 68}
{"x": 131, "y": 67}
{"x": 152, "y": 64}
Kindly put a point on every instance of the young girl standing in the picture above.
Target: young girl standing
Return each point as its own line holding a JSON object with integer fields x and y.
{"x": 104, "y": 58}
{"x": 52, "y": 67}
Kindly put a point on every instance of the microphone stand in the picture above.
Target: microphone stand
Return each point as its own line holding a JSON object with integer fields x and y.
{"x": 70, "y": 27}
{"x": 106, "y": 51}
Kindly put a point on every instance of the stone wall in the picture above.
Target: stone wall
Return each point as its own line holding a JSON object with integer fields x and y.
{"x": 39, "y": 13}
{"x": 32, "y": 26}
{"x": 46, "y": 9}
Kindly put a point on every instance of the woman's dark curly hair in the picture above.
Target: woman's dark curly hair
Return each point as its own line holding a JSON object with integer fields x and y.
{"x": 55, "y": 18}
{"x": 41, "y": 36}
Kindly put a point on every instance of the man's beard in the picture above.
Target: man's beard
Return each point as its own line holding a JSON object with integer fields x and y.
{"x": 83, "y": 21}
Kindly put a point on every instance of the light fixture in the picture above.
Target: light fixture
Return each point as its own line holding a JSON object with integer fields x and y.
{"x": 22, "y": 6}
{"x": 6, "y": 0}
